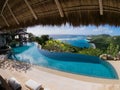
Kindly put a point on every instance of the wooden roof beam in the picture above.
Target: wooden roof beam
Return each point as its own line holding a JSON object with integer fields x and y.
{"x": 31, "y": 10}
{"x": 4, "y": 6}
{"x": 12, "y": 14}
{"x": 5, "y": 20}
{"x": 101, "y": 7}
{"x": 59, "y": 8}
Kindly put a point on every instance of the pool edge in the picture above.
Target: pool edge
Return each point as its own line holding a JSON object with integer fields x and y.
{"x": 79, "y": 77}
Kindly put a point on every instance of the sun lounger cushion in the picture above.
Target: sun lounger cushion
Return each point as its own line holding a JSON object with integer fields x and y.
{"x": 15, "y": 85}
{"x": 33, "y": 85}
{"x": 46, "y": 89}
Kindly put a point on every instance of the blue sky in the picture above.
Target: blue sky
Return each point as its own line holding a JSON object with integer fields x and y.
{"x": 67, "y": 29}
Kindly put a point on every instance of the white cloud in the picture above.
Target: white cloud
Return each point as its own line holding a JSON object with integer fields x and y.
{"x": 102, "y": 30}
{"x": 39, "y": 30}
{"x": 67, "y": 29}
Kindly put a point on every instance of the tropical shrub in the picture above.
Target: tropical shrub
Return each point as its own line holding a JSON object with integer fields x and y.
{"x": 58, "y": 46}
{"x": 112, "y": 49}
{"x": 91, "y": 51}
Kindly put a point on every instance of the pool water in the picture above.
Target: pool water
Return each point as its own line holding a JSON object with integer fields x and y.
{"x": 67, "y": 62}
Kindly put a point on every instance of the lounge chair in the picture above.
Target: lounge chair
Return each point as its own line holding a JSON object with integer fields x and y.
{"x": 31, "y": 84}
{"x": 3, "y": 84}
{"x": 14, "y": 84}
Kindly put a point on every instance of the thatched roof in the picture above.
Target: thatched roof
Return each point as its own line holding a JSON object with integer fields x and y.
{"x": 22, "y": 13}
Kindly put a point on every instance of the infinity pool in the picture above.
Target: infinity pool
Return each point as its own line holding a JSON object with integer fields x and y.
{"x": 67, "y": 62}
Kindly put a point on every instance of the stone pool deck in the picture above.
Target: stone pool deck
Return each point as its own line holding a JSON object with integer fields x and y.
{"x": 56, "y": 80}
{"x": 116, "y": 65}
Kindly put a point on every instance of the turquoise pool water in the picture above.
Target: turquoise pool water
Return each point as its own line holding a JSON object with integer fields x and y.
{"x": 67, "y": 62}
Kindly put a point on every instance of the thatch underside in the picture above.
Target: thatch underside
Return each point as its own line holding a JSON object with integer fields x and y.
{"x": 48, "y": 12}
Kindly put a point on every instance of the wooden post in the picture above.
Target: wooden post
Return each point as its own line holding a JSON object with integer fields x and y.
{"x": 4, "y": 6}
{"x": 5, "y": 20}
{"x": 12, "y": 14}
{"x": 101, "y": 7}
{"x": 59, "y": 8}
{"x": 31, "y": 10}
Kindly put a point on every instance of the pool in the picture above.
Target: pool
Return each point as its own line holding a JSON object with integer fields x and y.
{"x": 66, "y": 62}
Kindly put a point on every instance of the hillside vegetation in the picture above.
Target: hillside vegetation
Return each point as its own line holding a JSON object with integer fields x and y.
{"x": 104, "y": 44}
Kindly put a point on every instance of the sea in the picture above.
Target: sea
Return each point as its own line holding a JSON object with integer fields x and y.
{"x": 80, "y": 41}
